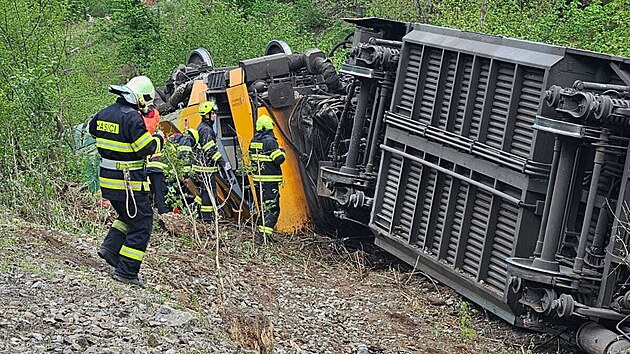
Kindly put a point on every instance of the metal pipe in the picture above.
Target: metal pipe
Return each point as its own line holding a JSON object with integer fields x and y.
{"x": 600, "y": 154}
{"x": 552, "y": 179}
{"x": 386, "y": 86}
{"x": 585, "y": 85}
{"x": 377, "y": 91}
{"x": 357, "y": 127}
{"x": 600, "y": 231}
{"x": 386, "y": 42}
{"x": 453, "y": 174}
{"x": 553, "y": 231}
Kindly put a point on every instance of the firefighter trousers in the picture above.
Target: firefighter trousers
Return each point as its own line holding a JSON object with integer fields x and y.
{"x": 270, "y": 206}
{"x": 129, "y": 237}
{"x": 159, "y": 189}
{"x": 206, "y": 208}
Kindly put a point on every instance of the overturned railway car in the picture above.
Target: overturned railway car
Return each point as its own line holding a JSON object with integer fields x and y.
{"x": 498, "y": 166}
{"x": 504, "y": 174}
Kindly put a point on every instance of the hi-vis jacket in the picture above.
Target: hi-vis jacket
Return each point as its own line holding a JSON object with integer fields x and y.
{"x": 151, "y": 121}
{"x": 124, "y": 143}
{"x": 266, "y": 157}
{"x": 207, "y": 157}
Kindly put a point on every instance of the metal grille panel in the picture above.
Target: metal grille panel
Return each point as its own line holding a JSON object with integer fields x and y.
{"x": 467, "y": 62}
{"x": 473, "y": 171}
{"x": 532, "y": 86}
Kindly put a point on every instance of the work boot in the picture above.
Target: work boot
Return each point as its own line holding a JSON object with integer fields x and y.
{"x": 108, "y": 256}
{"x": 131, "y": 281}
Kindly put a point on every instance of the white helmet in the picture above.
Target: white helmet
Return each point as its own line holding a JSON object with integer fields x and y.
{"x": 138, "y": 91}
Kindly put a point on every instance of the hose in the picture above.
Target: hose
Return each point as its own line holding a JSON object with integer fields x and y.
{"x": 342, "y": 120}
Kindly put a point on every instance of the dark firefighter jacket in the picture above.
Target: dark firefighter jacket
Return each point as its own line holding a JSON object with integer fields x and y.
{"x": 124, "y": 143}
{"x": 184, "y": 143}
{"x": 207, "y": 157}
{"x": 266, "y": 157}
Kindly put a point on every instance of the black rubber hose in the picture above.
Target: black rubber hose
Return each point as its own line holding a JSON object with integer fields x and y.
{"x": 328, "y": 71}
{"x": 296, "y": 62}
{"x": 337, "y": 46}
{"x": 342, "y": 120}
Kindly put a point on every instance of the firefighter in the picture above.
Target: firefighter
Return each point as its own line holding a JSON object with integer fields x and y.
{"x": 207, "y": 161}
{"x": 266, "y": 157}
{"x": 178, "y": 179}
{"x": 155, "y": 166}
{"x": 124, "y": 143}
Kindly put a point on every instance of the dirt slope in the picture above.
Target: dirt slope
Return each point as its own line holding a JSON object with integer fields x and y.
{"x": 306, "y": 295}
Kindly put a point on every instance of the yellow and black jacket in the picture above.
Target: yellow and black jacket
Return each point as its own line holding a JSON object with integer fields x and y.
{"x": 124, "y": 143}
{"x": 207, "y": 158}
{"x": 266, "y": 157}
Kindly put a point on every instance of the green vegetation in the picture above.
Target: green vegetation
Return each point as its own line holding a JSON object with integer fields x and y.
{"x": 59, "y": 56}
{"x": 466, "y": 322}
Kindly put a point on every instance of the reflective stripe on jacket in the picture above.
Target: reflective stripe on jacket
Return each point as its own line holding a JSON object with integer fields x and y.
{"x": 121, "y": 136}
{"x": 266, "y": 157}
{"x": 207, "y": 157}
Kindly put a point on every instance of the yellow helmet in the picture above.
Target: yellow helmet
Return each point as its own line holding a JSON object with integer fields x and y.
{"x": 194, "y": 133}
{"x": 264, "y": 122}
{"x": 206, "y": 107}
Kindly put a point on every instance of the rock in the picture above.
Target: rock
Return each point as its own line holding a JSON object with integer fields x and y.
{"x": 174, "y": 318}
{"x": 152, "y": 341}
{"x": 83, "y": 342}
{"x": 170, "y": 351}
{"x": 436, "y": 300}
{"x": 38, "y": 337}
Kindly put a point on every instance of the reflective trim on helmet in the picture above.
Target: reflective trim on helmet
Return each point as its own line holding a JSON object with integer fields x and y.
{"x": 120, "y": 226}
{"x": 131, "y": 253}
